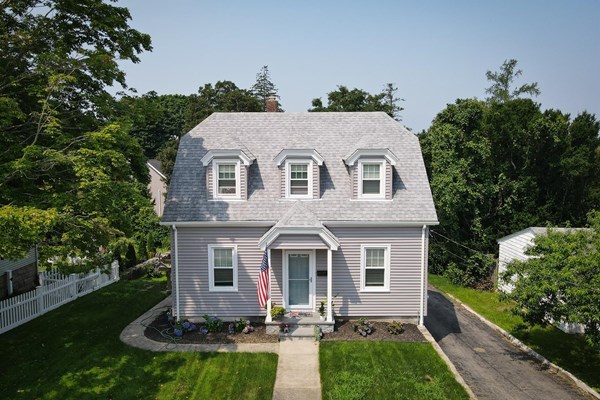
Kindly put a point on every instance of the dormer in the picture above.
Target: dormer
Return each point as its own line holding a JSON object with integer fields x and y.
{"x": 371, "y": 173}
{"x": 300, "y": 173}
{"x": 227, "y": 173}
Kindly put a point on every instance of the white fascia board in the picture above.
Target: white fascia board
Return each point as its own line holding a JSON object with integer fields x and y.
{"x": 208, "y": 157}
{"x": 299, "y": 153}
{"x": 380, "y": 224}
{"x": 325, "y": 235}
{"x": 358, "y": 153}
{"x": 205, "y": 224}
{"x": 156, "y": 170}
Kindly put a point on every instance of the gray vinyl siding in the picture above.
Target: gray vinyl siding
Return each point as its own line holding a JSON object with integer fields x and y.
{"x": 195, "y": 297}
{"x": 244, "y": 182}
{"x": 209, "y": 181}
{"x": 282, "y": 173}
{"x": 401, "y": 301}
{"x": 316, "y": 181}
{"x": 354, "y": 179}
{"x": 388, "y": 181}
{"x": 403, "y": 298}
{"x": 512, "y": 249}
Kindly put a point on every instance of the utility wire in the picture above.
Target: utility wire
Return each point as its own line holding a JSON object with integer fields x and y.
{"x": 455, "y": 242}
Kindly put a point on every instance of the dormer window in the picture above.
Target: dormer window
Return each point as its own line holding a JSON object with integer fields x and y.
{"x": 371, "y": 171}
{"x": 227, "y": 173}
{"x": 299, "y": 179}
{"x": 372, "y": 181}
{"x": 299, "y": 173}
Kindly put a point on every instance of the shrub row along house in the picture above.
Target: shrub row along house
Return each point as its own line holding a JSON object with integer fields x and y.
{"x": 340, "y": 203}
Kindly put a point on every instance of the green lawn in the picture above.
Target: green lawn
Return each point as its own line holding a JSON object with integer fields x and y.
{"x": 74, "y": 352}
{"x": 385, "y": 370}
{"x": 571, "y": 352}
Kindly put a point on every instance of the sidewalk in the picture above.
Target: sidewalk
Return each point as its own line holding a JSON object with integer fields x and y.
{"x": 298, "y": 370}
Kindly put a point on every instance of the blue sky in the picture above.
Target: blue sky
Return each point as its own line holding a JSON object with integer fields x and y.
{"x": 434, "y": 52}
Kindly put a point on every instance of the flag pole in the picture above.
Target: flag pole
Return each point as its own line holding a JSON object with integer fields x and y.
{"x": 269, "y": 318}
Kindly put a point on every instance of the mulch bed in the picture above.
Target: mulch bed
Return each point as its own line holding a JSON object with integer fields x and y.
{"x": 344, "y": 330}
{"x": 160, "y": 324}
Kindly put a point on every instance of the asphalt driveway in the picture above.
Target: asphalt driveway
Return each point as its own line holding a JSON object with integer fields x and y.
{"x": 491, "y": 366}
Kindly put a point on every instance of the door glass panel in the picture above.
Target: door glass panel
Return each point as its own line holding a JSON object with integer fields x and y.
{"x": 299, "y": 274}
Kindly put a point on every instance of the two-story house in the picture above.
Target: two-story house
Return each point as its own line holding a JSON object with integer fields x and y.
{"x": 339, "y": 201}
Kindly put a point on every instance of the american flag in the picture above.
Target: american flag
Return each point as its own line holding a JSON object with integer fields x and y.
{"x": 264, "y": 281}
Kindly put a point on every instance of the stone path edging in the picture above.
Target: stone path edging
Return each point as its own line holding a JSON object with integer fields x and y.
{"x": 550, "y": 365}
{"x": 133, "y": 335}
{"x": 444, "y": 357}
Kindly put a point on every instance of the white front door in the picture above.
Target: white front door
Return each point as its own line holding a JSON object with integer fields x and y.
{"x": 299, "y": 268}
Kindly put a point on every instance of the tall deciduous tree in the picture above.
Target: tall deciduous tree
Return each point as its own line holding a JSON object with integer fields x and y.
{"x": 496, "y": 168}
{"x": 66, "y": 182}
{"x": 346, "y": 100}
{"x": 501, "y": 88}
{"x": 561, "y": 281}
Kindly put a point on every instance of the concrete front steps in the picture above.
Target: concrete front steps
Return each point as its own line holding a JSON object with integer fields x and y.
{"x": 300, "y": 325}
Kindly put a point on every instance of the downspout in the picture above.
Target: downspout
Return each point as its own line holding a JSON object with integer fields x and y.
{"x": 422, "y": 300}
{"x": 176, "y": 273}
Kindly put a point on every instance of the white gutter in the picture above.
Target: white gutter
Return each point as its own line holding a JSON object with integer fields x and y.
{"x": 176, "y": 272}
{"x": 422, "y": 300}
{"x": 204, "y": 224}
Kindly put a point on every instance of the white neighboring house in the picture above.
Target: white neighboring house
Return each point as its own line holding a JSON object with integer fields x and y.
{"x": 513, "y": 247}
{"x": 157, "y": 186}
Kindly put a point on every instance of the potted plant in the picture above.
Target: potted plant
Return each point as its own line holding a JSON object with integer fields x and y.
{"x": 322, "y": 311}
{"x": 277, "y": 312}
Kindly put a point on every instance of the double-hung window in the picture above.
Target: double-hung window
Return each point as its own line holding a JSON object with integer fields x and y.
{"x": 227, "y": 179}
{"x": 372, "y": 179}
{"x": 375, "y": 267}
{"x": 222, "y": 268}
{"x": 299, "y": 179}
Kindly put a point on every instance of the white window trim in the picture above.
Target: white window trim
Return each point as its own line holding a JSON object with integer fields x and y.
{"x": 363, "y": 263}
{"x": 238, "y": 178}
{"x": 382, "y": 180}
{"x": 288, "y": 174}
{"x": 211, "y": 265}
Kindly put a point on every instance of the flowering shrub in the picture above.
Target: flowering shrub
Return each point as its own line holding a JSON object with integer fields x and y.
{"x": 395, "y": 328}
{"x": 182, "y": 327}
{"x": 213, "y": 324}
{"x": 248, "y": 328}
{"x": 363, "y": 327}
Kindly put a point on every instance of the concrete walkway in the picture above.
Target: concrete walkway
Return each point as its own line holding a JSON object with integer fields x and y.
{"x": 133, "y": 335}
{"x": 298, "y": 370}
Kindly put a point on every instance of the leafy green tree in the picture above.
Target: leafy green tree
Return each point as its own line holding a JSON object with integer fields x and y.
{"x": 496, "y": 168}
{"x": 224, "y": 96}
{"x": 561, "y": 281}
{"x": 502, "y": 81}
{"x": 68, "y": 181}
{"x": 346, "y": 100}
{"x": 167, "y": 156}
{"x": 263, "y": 88}
{"x": 154, "y": 119}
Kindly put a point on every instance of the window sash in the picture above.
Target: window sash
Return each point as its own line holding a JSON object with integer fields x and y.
{"x": 375, "y": 267}
{"x": 222, "y": 268}
{"x": 298, "y": 179}
{"x": 227, "y": 179}
{"x": 371, "y": 178}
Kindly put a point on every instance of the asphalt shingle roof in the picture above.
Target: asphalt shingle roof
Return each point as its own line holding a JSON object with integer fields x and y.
{"x": 333, "y": 135}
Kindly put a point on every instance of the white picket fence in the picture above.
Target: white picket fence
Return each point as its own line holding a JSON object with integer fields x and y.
{"x": 55, "y": 290}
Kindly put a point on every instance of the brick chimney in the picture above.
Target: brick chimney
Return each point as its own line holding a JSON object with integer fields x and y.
{"x": 272, "y": 104}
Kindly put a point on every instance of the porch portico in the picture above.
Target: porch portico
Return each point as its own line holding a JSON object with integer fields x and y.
{"x": 300, "y": 251}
